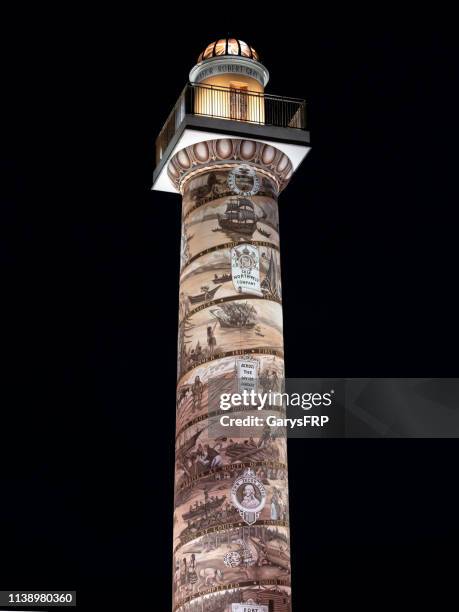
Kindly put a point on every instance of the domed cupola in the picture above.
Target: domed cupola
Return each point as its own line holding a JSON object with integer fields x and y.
{"x": 229, "y": 60}
{"x": 228, "y": 46}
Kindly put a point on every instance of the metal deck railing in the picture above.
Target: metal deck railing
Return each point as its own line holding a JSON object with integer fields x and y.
{"x": 234, "y": 104}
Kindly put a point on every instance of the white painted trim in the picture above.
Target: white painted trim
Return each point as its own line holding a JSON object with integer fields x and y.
{"x": 233, "y": 64}
{"x": 296, "y": 153}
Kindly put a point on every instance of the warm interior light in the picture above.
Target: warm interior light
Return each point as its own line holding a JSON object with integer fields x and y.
{"x": 208, "y": 52}
{"x": 245, "y": 49}
{"x": 220, "y": 47}
{"x": 233, "y": 47}
{"x": 228, "y": 46}
{"x": 235, "y": 102}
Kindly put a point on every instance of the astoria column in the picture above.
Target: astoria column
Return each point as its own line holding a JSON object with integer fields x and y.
{"x": 230, "y": 149}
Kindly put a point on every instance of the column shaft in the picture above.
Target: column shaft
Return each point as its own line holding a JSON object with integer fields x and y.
{"x": 231, "y": 527}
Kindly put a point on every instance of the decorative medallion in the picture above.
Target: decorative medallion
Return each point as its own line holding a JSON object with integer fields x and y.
{"x": 244, "y": 181}
{"x": 245, "y": 269}
{"x": 248, "y": 495}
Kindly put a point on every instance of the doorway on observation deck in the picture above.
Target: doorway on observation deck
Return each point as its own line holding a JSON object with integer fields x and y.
{"x": 238, "y": 101}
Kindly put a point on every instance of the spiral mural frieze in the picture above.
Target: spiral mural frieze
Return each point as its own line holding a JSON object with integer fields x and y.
{"x": 231, "y": 522}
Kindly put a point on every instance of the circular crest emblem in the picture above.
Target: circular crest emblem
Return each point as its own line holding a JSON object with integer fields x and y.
{"x": 247, "y": 258}
{"x": 248, "y": 495}
{"x": 244, "y": 181}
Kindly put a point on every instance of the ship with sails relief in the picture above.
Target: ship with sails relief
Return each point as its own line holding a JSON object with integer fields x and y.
{"x": 241, "y": 315}
{"x": 239, "y": 216}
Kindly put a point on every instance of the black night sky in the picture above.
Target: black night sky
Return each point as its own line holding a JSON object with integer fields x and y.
{"x": 90, "y": 300}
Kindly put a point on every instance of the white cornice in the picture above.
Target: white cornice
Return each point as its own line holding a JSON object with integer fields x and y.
{"x": 296, "y": 153}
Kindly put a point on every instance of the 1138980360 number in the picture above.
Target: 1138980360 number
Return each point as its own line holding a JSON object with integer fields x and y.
{"x": 40, "y": 598}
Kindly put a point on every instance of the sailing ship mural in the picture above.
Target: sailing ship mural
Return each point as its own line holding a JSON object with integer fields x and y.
{"x": 239, "y": 217}
{"x": 233, "y": 218}
{"x": 216, "y": 185}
